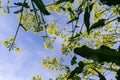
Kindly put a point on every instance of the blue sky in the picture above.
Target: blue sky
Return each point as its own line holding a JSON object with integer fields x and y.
{"x": 21, "y": 66}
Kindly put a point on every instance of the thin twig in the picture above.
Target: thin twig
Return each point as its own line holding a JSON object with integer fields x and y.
{"x": 17, "y": 28}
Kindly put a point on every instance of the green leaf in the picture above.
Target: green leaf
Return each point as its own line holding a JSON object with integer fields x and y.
{"x": 73, "y": 61}
{"x": 77, "y": 70}
{"x": 81, "y": 64}
{"x": 91, "y": 6}
{"x": 118, "y": 75}
{"x": 79, "y": 9}
{"x": 119, "y": 49}
{"x": 18, "y": 11}
{"x": 41, "y": 6}
{"x": 61, "y": 1}
{"x": 87, "y": 16}
{"x": 76, "y": 78}
{"x": 84, "y": 51}
{"x": 61, "y": 7}
{"x": 111, "y": 2}
{"x": 22, "y": 4}
{"x": 118, "y": 19}
{"x": 18, "y": 4}
{"x": 98, "y": 24}
{"x": 103, "y": 54}
{"x": 74, "y": 19}
{"x": 102, "y": 77}
{"x": 70, "y": 10}
{"x": 106, "y": 49}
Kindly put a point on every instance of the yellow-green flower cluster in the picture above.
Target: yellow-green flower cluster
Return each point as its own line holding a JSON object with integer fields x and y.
{"x": 8, "y": 1}
{"x": 29, "y": 22}
{"x": 108, "y": 27}
{"x": 96, "y": 33}
{"x": 5, "y": 43}
{"x": 107, "y": 38}
{"x": 9, "y": 44}
{"x": 57, "y": 9}
{"x": 88, "y": 69}
{"x": 98, "y": 43}
{"x": 70, "y": 17}
{"x": 52, "y": 30}
{"x": 33, "y": 77}
{"x": 86, "y": 36}
{"x": 3, "y": 9}
{"x": 54, "y": 62}
{"x": 69, "y": 5}
{"x": 48, "y": 42}
{"x": 48, "y": 45}
{"x": 50, "y": 64}
{"x": 11, "y": 39}
{"x": 39, "y": 78}
{"x": 50, "y": 8}
{"x": 61, "y": 77}
{"x": 97, "y": 12}
{"x": 63, "y": 35}
{"x": 17, "y": 50}
{"x": 79, "y": 2}
{"x": 36, "y": 78}
{"x": 98, "y": 68}
{"x": 64, "y": 50}
{"x": 115, "y": 10}
{"x": 64, "y": 39}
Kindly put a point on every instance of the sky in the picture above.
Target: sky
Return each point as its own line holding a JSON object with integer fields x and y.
{"x": 21, "y": 66}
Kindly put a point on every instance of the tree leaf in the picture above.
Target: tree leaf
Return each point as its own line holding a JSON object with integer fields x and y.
{"x": 98, "y": 24}
{"x": 18, "y": 11}
{"x": 61, "y": 1}
{"x": 91, "y": 6}
{"x": 119, "y": 49}
{"x": 103, "y": 54}
{"x": 73, "y": 61}
{"x": 76, "y": 18}
{"x": 87, "y": 16}
{"x": 77, "y": 70}
{"x": 101, "y": 76}
{"x": 81, "y": 64}
{"x": 118, "y": 19}
{"x": 111, "y": 2}
{"x": 18, "y": 4}
{"x": 41, "y": 6}
{"x": 84, "y": 51}
{"x": 79, "y": 10}
{"x": 118, "y": 75}
{"x": 22, "y": 4}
